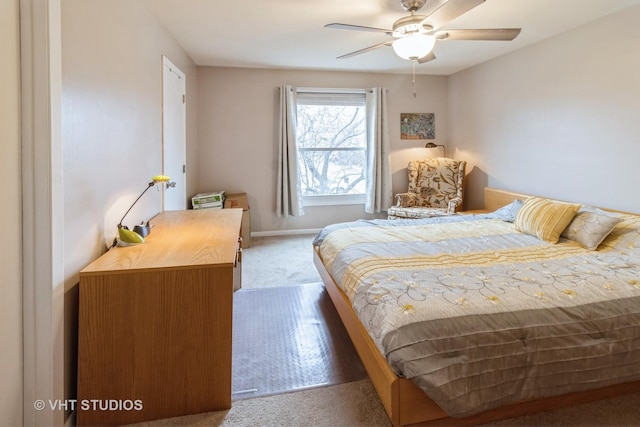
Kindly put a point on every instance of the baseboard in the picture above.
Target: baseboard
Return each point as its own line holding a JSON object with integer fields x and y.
{"x": 285, "y": 232}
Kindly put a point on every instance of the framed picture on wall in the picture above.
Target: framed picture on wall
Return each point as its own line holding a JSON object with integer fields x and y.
{"x": 417, "y": 126}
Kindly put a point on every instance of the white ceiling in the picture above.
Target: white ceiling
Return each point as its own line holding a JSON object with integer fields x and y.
{"x": 291, "y": 33}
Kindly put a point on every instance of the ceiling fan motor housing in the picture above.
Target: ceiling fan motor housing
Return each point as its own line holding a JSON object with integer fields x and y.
{"x": 412, "y": 5}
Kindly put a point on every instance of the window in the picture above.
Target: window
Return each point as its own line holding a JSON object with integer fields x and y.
{"x": 332, "y": 144}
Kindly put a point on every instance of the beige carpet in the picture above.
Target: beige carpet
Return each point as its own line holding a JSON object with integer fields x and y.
{"x": 279, "y": 261}
{"x": 356, "y": 404}
{"x": 351, "y": 404}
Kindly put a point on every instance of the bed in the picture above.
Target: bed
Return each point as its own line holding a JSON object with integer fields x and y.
{"x": 478, "y": 321}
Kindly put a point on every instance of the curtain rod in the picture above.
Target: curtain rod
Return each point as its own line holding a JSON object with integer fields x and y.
{"x": 331, "y": 90}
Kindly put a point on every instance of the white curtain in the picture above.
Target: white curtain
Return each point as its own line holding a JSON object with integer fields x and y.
{"x": 379, "y": 192}
{"x": 289, "y": 195}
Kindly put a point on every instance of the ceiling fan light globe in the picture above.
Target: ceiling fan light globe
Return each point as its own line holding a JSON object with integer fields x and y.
{"x": 414, "y": 46}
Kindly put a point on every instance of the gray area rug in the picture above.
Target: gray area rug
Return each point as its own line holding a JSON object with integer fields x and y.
{"x": 289, "y": 338}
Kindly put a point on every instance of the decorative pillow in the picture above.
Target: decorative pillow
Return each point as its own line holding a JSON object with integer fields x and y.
{"x": 590, "y": 228}
{"x": 545, "y": 218}
{"x": 588, "y": 208}
{"x": 508, "y": 213}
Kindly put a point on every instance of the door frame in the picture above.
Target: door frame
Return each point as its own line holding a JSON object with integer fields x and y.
{"x": 43, "y": 210}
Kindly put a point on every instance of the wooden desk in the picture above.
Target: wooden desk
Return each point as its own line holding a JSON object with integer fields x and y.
{"x": 155, "y": 321}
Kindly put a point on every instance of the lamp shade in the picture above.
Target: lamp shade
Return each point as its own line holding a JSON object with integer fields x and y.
{"x": 414, "y": 46}
{"x": 160, "y": 178}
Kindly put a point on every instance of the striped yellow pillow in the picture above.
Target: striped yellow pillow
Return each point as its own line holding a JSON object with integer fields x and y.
{"x": 545, "y": 219}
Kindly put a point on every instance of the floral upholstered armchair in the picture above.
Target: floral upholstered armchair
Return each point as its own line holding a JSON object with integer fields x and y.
{"x": 435, "y": 188}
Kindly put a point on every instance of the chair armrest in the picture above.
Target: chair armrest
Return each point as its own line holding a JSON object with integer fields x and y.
{"x": 406, "y": 200}
{"x": 454, "y": 204}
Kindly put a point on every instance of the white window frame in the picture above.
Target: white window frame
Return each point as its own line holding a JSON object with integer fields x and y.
{"x": 334, "y": 199}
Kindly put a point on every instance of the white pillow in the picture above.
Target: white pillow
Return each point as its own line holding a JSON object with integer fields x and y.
{"x": 508, "y": 213}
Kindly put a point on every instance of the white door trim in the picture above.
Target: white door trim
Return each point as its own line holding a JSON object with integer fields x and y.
{"x": 181, "y": 180}
{"x": 43, "y": 211}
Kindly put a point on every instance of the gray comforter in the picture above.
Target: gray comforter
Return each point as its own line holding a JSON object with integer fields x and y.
{"x": 479, "y": 315}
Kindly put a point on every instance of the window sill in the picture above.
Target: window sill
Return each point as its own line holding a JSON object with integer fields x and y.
{"x": 334, "y": 200}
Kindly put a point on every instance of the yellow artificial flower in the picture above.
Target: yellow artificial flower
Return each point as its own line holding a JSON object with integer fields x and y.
{"x": 408, "y": 309}
{"x": 569, "y": 292}
{"x": 494, "y": 299}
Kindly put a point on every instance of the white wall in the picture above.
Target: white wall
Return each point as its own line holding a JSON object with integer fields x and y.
{"x": 112, "y": 131}
{"x": 11, "y": 385}
{"x": 112, "y": 118}
{"x": 237, "y": 134}
{"x": 559, "y": 118}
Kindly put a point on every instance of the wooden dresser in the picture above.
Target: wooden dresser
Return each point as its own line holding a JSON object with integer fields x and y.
{"x": 154, "y": 337}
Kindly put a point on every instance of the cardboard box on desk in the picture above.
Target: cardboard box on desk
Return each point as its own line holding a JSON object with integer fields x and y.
{"x": 239, "y": 200}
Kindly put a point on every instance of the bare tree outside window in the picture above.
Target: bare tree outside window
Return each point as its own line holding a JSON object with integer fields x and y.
{"x": 332, "y": 146}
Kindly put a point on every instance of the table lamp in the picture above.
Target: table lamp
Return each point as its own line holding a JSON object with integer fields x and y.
{"x": 432, "y": 145}
{"x": 139, "y": 232}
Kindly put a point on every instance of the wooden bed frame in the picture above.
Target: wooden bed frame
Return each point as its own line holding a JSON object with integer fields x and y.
{"x": 404, "y": 402}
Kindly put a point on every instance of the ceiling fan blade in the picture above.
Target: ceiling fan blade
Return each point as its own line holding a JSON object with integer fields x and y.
{"x": 339, "y": 26}
{"x": 428, "y": 57}
{"x": 488, "y": 34}
{"x": 366, "y": 49}
{"x": 450, "y": 11}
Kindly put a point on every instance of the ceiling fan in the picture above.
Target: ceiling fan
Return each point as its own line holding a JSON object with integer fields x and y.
{"x": 415, "y": 35}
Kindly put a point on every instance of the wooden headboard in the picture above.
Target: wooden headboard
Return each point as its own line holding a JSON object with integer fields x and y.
{"x": 495, "y": 198}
